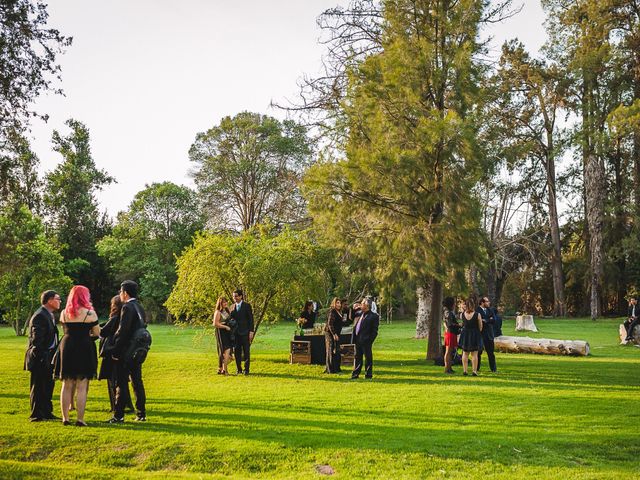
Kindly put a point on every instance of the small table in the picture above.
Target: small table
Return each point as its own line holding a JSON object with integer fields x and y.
{"x": 318, "y": 349}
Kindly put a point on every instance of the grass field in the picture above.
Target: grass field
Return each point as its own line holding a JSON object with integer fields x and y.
{"x": 542, "y": 417}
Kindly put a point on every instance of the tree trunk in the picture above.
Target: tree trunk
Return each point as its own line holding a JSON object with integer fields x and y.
{"x": 424, "y": 309}
{"x": 559, "y": 306}
{"x": 434, "y": 340}
{"x": 541, "y": 345}
{"x": 594, "y": 176}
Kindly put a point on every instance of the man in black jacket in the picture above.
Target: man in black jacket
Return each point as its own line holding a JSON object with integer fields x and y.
{"x": 488, "y": 336}
{"x": 242, "y": 313}
{"x": 132, "y": 317}
{"x": 364, "y": 334}
{"x": 633, "y": 318}
{"x": 43, "y": 341}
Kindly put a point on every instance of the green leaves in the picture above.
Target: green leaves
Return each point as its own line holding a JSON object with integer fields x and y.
{"x": 277, "y": 273}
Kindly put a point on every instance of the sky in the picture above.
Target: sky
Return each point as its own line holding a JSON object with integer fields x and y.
{"x": 145, "y": 76}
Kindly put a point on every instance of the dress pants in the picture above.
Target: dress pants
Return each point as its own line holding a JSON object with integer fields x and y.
{"x": 242, "y": 350}
{"x": 42, "y": 383}
{"x": 630, "y": 326}
{"x": 488, "y": 346}
{"x": 123, "y": 372}
{"x": 332, "y": 353}
{"x": 363, "y": 349}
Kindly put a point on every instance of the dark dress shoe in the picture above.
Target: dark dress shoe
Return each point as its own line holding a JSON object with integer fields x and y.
{"x": 115, "y": 420}
{"x": 239, "y": 372}
{"x": 141, "y": 418}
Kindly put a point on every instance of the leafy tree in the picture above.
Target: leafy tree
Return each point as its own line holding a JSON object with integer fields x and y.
{"x": 412, "y": 160}
{"x": 276, "y": 273}
{"x": 29, "y": 264}
{"x": 28, "y": 50}
{"x": 160, "y": 222}
{"x": 248, "y": 168}
{"x": 530, "y": 95}
{"x": 19, "y": 182}
{"x": 73, "y": 209}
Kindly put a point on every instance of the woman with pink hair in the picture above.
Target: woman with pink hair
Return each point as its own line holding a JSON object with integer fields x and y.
{"x": 77, "y": 361}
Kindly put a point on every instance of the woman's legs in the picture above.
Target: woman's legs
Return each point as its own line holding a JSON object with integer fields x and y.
{"x": 447, "y": 360}
{"x": 474, "y": 361}
{"x": 68, "y": 387}
{"x": 225, "y": 360}
{"x": 82, "y": 387}
{"x": 465, "y": 361}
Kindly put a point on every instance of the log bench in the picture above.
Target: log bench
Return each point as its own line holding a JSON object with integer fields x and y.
{"x": 543, "y": 346}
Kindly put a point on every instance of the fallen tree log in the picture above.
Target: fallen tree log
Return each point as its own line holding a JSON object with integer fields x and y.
{"x": 541, "y": 345}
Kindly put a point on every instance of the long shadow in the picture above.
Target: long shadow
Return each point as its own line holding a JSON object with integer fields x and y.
{"x": 366, "y": 432}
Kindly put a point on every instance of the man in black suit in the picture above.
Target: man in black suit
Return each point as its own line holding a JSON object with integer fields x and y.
{"x": 488, "y": 321}
{"x": 242, "y": 313}
{"x": 632, "y": 318}
{"x": 363, "y": 336}
{"x": 132, "y": 318}
{"x": 43, "y": 341}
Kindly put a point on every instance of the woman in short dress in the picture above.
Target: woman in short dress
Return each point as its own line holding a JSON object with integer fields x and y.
{"x": 472, "y": 338}
{"x": 332, "y": 330}
{"x": 77, "y": 357}
{"x": 224, "y": 325}
{"x": 451, "y": 334}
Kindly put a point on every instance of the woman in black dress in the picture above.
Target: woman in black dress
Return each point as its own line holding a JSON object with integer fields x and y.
{"x": 472, "y": 338}
{"x": 332, "y": 331}
{"x": 77, "y": 357}
{"x": 308, "y": 315}
{"x": 225, "y": 326}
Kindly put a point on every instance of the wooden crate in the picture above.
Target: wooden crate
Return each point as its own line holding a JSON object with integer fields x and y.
{"x": 300, "y": 352}
{"x": 347, "y": 353}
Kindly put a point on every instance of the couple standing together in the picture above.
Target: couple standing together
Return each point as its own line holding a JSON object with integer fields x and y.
{"x": 234, "y": 332}
{"x": 363, "y": 335}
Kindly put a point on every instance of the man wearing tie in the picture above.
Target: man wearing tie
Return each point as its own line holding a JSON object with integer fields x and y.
{"x": 487, "y": 333}
{"x": 43, "y": 341}
{"x": 364, "y": 334}
{"x": 243, "y": 315}
{"x": 632, "y": 319}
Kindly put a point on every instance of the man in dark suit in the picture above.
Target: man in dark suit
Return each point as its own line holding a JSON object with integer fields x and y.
{"x": 632, "y": 318}
{"x": 488, "y": 321}
{"x": 363, "y": 336}
{"x": 242, "y": 313}
{"x": 43, "y": 341}
{"x": 132, "y": 318}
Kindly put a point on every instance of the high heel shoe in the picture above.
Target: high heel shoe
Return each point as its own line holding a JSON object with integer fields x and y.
{"x": 81, "y": 424}
{"x": 66, "y": 423}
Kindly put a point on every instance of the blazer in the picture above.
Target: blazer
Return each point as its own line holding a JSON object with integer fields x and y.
{"x": 368, "y": 329}
{"x": 243, "y": 318}
{"x": 631, "y": 312}
{"x": 488, "y": 321}
{"x": 132, "y": 317}
{"x": 43, "y": 339}
{"x": 335, "y": 323}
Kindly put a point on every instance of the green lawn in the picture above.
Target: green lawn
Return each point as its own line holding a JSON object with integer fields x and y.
{"x": 542, "y": 417}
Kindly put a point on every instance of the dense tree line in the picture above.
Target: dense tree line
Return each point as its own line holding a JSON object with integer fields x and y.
{"x": 417, "y": 169}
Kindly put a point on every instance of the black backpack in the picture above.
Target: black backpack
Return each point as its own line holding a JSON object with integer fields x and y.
{"x": 140, "y": 343}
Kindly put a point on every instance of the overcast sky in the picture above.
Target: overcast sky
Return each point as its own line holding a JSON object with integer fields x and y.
{"x": 146, "y": 76}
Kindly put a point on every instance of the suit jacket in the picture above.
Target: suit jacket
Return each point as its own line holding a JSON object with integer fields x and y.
{"x": 488, "y": 321}
{"x": 497, "y": 326}
{"x": 243, "y": 318}
{"x": 132, "y": 317}
{"x": 631, "y": 312}
{"x": 43, "y": 339}
{"x": 367, "y": 329}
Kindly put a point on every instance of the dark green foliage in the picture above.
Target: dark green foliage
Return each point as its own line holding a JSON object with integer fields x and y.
{"x": 160, "y": 222}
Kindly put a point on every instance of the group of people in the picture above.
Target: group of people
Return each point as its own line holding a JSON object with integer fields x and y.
{"x": 366, "y": 322}
{"x": 234, "y": 333}
{"x": 475, "y": 335}
{"x": 73, "y": 359}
